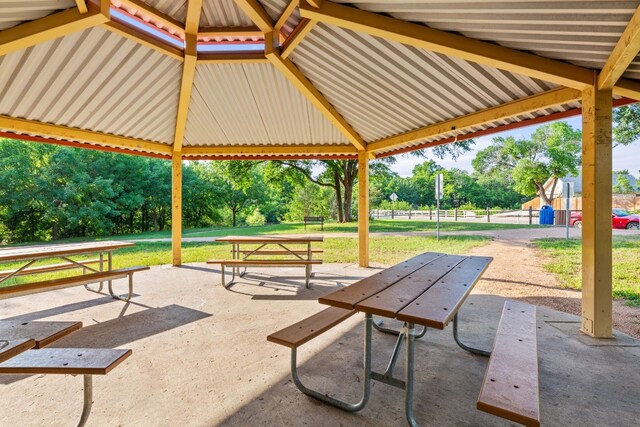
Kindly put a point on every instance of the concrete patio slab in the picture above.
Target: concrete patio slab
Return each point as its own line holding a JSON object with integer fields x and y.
{"x": 200, "y": 358}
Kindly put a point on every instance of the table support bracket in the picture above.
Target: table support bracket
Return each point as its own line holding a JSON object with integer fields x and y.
{"x": 88, "y": 400}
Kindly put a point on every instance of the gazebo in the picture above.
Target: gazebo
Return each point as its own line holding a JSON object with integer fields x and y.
{"x": 273, "y": 79}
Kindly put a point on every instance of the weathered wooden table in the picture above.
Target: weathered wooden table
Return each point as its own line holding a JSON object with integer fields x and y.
{"x": 287, "y": 248}
{"x": 99, "y": 273}
{"x": 426, "y": 290}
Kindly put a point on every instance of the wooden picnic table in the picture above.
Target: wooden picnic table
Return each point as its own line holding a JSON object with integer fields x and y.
{"x": 286, "y": 248}
{"x": 29, "y": 255}
{"x": 425, "y": 290}
{"x": 17, "y": 336}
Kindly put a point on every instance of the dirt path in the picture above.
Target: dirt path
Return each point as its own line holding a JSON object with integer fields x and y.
{"x": 517, "y": 272}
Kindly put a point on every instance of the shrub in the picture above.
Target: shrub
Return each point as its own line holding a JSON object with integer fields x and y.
{"x": 256, "y": 218}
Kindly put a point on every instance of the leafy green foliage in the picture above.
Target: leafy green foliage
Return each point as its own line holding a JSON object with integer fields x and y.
{"x": 626, "y": 124}
{"x": 552, "y": 152}
{"x": 256, "y": 218}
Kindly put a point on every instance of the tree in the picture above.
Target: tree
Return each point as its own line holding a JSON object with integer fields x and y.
{"x": 342, "y": 175}
{"x": 623, "y": 183}
{"x": 552, "y": 153}
{"x": 626, "y": 124}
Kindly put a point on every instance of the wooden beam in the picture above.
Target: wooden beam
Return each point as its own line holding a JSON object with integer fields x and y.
{"x": 514, "y": 108}
{"x": 15, "y": 125}
{"x": 230, "y": 32}
{"x": 315, "y": 3}
{"x": 623, "y": 53}
{"x": 82, "y": 6}
{"x": 295, "y": 76}
{"x": 155, "y": 15}
{"x": 596, "y": 213}
{"x": 363, "y": 209}
{"x": 194, "y": 9}
{"x": 303, "y": 28}
{"x": 49, "y": 28}
{"x": 192, "y": 20}
{"x": 176, "y": 208}
{"x": 628, "y": 89}
{"x": 449, "y": 44}
{"x": 268, "y": 150}
{"x": 286, "y": 14}
{"x": 144, "y": 39}
{"x": 254, "y": 10}
{"x": 232, "y": 58}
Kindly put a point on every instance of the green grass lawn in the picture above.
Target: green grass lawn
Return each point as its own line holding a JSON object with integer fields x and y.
{"x": 566, "y": 262}
{"x": 385, "y": 250}
{"x": 398, "y": 226}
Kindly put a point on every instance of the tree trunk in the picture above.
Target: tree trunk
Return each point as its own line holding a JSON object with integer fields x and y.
{"x": 233, "y": 213}
{"x": 336, "y": 178}
{"x": 155, "y": 220}
{"x": 543, "y": 194}
{"x": 348, "y": 197}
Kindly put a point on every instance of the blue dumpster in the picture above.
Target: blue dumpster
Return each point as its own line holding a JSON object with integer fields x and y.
{"x": 547, "y": 215}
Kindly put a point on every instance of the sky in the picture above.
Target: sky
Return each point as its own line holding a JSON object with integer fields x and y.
{"x": 624, "y": 157}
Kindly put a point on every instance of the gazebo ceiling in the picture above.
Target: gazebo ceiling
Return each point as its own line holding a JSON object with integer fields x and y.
{"x": 197, "y": 77}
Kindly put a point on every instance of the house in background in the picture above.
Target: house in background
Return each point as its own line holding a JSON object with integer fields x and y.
{"x": 625, "y": 192}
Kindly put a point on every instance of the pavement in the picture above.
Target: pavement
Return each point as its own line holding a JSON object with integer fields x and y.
{"x": 200, "y": 358}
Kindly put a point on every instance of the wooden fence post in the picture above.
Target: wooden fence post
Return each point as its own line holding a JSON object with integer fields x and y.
{"x": 530, "y": 215}
{"x": 455, "y": 214}
{"x": 488, "y": 214}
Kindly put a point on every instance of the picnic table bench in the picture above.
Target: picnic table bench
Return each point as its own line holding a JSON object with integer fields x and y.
{"x": 426, "y": 290}
{"x": 29, "y": 357}
{"x": 285, "y": 247}
{"x": 103, "y": 272}
{"x": 314, "y": 220}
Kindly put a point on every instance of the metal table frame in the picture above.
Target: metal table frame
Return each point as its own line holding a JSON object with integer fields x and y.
{"x": 407, "y": 334}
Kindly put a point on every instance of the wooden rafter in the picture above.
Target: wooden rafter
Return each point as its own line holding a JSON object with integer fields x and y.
{"x": 49, "y": 28}
{"x": 489, "y": 115}
{"x": 194, "y": 9}
{"x": 450, "y": 44}
{"x": 232, "y": 58}
{"x": 144, "y": 40}
{"x": 303, "y": 28}
{"x": 295, "y": 76}
{"x": 268, "y": 150}
{"x": 254, "y": 10}
{"x": 627, "y": 88}
{"x": 154, "y": 14}
{"x": 82, "y": 6}
{"x": 230, "y": 32}
{"x": 286, "y": 14}
{"x": 623, "y": 53}
{"x": 14, "y": 125}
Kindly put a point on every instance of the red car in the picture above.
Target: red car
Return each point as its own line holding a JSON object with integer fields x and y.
{"x": 619, "y": 219}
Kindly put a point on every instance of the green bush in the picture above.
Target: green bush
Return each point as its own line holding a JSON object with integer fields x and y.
{"x": 256, "y": 218}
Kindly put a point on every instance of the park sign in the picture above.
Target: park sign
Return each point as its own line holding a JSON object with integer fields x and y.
{"x": 439, "y": 186}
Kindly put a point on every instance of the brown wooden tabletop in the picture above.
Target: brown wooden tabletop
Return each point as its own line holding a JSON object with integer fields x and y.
{"x": 11, "y": 348}
{"x": 56, "y": 250}
{"x": 270, "y": 239}
{"x": 42, "y": 333}
{"x": 426, "y": 290}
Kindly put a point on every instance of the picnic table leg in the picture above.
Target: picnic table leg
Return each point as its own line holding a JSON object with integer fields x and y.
{"x": 366, "y": 388}
{"x": 408, "y": 400}
{"x": 101, "y": 268}
{"x": 464, "y": 346}
{"x": 127, "y": 297}
{"x": 88, "y": 400}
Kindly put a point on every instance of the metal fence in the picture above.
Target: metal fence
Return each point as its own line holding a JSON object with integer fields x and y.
{"x": 527, "y": 216}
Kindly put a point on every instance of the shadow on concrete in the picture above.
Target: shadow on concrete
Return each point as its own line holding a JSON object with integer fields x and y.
{"x": 448, "y": 379}
{"x": 67, "y": 308}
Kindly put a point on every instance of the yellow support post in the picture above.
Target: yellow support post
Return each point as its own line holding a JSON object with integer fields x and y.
{"x": 363, "y": 209}
{"x": 176, "y": 208}
{"x": 596, "y": 212}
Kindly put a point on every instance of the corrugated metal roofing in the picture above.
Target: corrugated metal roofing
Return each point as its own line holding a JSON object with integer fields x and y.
{"x": 14, "y": 12}
{"x": 177, "y": 9}
{"x": 93, "y": 80}
{"x": 384, "y": 88}
{"x": 223, "y": 13}
{"x": 578, "y": 31}
{"x": 275, "y": 8}
{"x": 235, "y": 104}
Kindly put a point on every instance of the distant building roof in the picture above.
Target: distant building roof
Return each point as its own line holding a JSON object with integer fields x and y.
{"x": 577, "y": 182}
